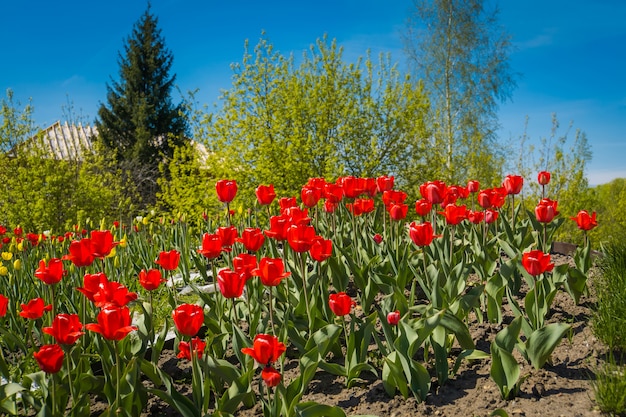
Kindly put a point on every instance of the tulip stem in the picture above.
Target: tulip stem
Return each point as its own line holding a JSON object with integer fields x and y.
{"x": 215, "y": 291}
{"x": 69, "y": 377}
{"x": 304, "y": 285}
{"x": 271, "y": 311}
{"x": 118, "y": 375}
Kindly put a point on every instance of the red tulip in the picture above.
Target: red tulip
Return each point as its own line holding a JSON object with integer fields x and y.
{"x": 226, "y": 190}
{"x": 351, "y": 186}
{"x": 151, "y": 279}
{"x": 393, "y": 318}
{"x": 278, "y": 227}
{"x": 252, "y": 238}
{"x": 66, "y": 329}
{"x": 114, "y": 323}
{"x": 50, "y": 273}
{"x": 188, "y": 319}
{"x": 475, "y": 216}
{"x": 378, "y": 238}
{"x": 454, "y": 214}
{"x": 369, "y": 186}
{"x": 546, "y": 210}
{"x": 271, "y": 271}
{"x": 4, "y": 304}
{"x": 361, "y": 206}
{"x": 296, "y": 215}
{"x": 473, "y": 186}
{"x": 211, "y": 246}
{"x": 321, "y": 249}
{"x": 197, "y": 344}
{"x": 265, "y": 194}
{"x": 228, "y": 235}
{"x": 421, "y": 233}
{"x": 398, "y": 212}
{"x": 102, "y": 243}
{"x": 585, "y": 221}
{"x": 423, "y": 207}
{"x": 287, "y": 202}
{"x": 49, "y": 358}
{"x": 330, "y": 207}
{"x": 111, "y": 293}
{"x": 271, "y": 376}
{"x": 310, "y": 196}
{"x": 543, "y": 178}
{"x": 34, "y": 309}
{"x": 536, "y": 262}
{"x": 433, "y": 191}
{"x": 265, "y": 349}
{"x": 333, "y": 192}
{"x": 230, "y": 283}
{"x": 300, "y": 237}
{"x": 168, "y": 260}
{"x": 244, "y": 264}
{"x": 492, "y": 197}
{"x": 491, "y": 216}
{"x": 393, "y": 196}
{"x": 340, "y": 303}
{"x": 81, "y": 252}
{"x": 91, "y": 284}
{"x": 384, "y": 183}
{"x": 513, "y": 184}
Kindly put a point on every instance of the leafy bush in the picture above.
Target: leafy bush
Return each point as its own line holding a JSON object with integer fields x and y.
{"x": 609, "y": 320}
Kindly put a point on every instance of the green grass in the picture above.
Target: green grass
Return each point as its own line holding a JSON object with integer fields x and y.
{"x": 609, "y": 388}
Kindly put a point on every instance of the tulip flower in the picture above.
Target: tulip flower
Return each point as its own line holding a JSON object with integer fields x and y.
{"x": 211, "y": 246}
{"x": 584, "y": 221}
{"x": 271, "y": 271}
{"x": 476, "y": 217}
{"x": 398, "y": 212}
{"x": 378, "y": 238}
{"x": 113, "y": 323}
{"x": 546, "y": 210}
{"x": 361, "y": 206}
{"x": 543, "y": 178}
{"x": 321, "y": 249}
{"x": 50, "y": 273}
{"x": 433, "y": 191}
{"x": 513, "y": 184}
{"x": 228, "y": 235}
{"x": 491, "y": 216}
{"x": 230, "y": 283}
{"x": 81, "y": 252}
{"x": 49, "y": 358}
{"x": 66, "y": 329}
{"x": 34, "y": 309}
{"x": 271, "y": 376}
{"x": 393, "y": 196}
{"x": 4, "y": 303}
{"x": 300, "y": 237}
{"x": 197, "y": 344}
{"x": 244, "y": 264}
{"x": 111, "y": 293}
{"x": 287, "y": 202}
{"x": 265, "y": 349}
{"x": 226, "y": 190}
{"x": 168, "y": 260}
{"x": 310, "y": 196}
{"x": 252, "y": 239}
{"x": 330, "y": 207}
{"x": 454, "y": 214}
{"x": 333, "y": 192}
{"x": 473, "y": 186}
{"x": 265, "y": 194}
{"x": 393, "y": 318}
{"x": 102, "y": 243}
{"x": 536, "y": 262}
{"x": 188, "y": 319}
{"x": 151, "y": 280}
{"x": 296, "y": 215}
{"x": 340, "y": 303}
{"x": 91, "y": 284}
{"x": 351, "y": 186}
{"x": 423, "y": 207}
{"x": 421, "y": 233}
{"x": 384, "y": 183}
{"x": 278, "y": 227}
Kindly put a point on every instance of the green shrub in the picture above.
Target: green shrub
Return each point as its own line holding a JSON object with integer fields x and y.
{"x": 609, "y": 319}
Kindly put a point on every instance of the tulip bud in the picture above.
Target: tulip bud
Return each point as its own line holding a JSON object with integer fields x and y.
{"x": 4, "y": 271}
{"x": 543, "y": 178}
{"x": 378, "y": 238}
{"x": 17, "y": 264}
{"x": 393, "y": 318}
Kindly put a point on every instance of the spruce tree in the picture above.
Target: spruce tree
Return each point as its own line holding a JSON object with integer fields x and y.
{"x": 140, "y": 122}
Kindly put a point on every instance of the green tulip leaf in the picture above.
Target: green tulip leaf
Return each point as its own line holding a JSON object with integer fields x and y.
{"x": 542, "y": 342}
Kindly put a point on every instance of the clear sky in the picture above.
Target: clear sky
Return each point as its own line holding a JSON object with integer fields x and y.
{"x": 570, "y": 55}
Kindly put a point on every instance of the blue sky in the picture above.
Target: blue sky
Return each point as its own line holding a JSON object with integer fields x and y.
{"x": 570, "y": 55}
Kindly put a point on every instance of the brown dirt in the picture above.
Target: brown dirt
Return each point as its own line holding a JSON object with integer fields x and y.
{"x": 562, "y": 388}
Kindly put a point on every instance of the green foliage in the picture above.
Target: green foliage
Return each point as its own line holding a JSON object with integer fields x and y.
{"x": 462, "y": 56}
{"x": 284, "y": 124}
{"x": 609, "y": 319}
{"x": 610, "y": 206}
{"x": 139, "y": 123}
{"x": 609, "y": 388}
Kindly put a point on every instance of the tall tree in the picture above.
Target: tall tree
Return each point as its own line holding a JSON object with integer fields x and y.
{"x": 458, "y": 49}
{"x": 139, "y": 121}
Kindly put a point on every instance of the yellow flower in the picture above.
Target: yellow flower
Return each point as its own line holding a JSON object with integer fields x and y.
{"x": 4, "y": 271}
{"x": 17, "y": 264}
{"x": 20, "y": 246}
{"x": 124, "y": 241}
{"x": 7, "y": 256}
{"x": 145, "y": 221}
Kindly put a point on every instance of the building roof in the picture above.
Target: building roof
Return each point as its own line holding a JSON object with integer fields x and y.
{"x": 64, "y": 141}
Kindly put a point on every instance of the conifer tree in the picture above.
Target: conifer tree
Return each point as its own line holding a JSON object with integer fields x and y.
{"x": 140, "y": 122}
